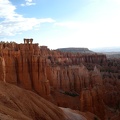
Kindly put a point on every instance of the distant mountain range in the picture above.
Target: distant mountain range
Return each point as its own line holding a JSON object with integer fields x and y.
{"x": 86, "y": 50}
{"x": 111, "y": 52}
{"x": 75, "y": 50}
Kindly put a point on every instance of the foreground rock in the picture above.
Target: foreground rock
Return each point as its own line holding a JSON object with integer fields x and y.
{"x": 20, "y": 104}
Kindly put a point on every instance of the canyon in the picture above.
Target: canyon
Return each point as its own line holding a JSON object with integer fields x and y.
{"x": 87, "y": 84}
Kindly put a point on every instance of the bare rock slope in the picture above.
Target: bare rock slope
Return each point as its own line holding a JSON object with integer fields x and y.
{"x": 21, "y": 104}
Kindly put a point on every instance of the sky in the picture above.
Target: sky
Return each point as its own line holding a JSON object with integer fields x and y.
{"x": 61, "y": 23}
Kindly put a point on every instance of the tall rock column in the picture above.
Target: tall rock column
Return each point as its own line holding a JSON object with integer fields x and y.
{"x": 9, "y": 66}
{"x": 91, "y": 100}
{"x": 44, "y": 86}
{"x": 2, "y": 69}
{"x": 39, "y": 78}
{"x": 23, "y": 72}
{"x": 35, "y": 73}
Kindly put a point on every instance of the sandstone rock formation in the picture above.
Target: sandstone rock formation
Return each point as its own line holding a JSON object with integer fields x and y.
{"x": 33, "y": 67}
{"x": 86, "y": 82}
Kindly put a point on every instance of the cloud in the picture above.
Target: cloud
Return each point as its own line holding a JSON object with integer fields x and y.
{"x": 90, "y": 34}
{"x": 69, "y": 24}
{"x": 114, "y": 1}
{"x": 28, "y": 3}
{"x": 13, "y": 23}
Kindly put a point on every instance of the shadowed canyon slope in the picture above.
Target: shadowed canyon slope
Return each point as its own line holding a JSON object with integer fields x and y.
{"x": 84, "y": 82}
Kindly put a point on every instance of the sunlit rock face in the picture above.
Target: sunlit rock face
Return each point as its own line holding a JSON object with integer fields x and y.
{"x": 24, "y": 66}
{"x": 38, "y": 68}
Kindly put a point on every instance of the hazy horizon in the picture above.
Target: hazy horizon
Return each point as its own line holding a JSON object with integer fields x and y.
{"x": 60, "y": 24}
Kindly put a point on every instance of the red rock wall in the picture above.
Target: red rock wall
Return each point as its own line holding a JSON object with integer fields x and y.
{"x": 41, "y": 70}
